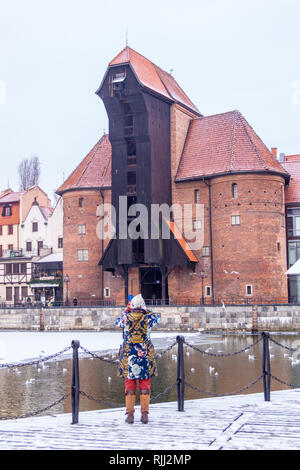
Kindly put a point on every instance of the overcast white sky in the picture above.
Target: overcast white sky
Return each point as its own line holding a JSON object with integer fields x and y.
{"x": 226, "y": 54}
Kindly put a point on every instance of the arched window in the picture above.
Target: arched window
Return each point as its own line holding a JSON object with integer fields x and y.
{"x": 234, "y": 189}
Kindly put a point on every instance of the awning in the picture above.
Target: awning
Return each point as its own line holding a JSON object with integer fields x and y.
{"x": 52, "y": 258}
{"x": 295, "y": 269}
{"x": 42, "y": 286}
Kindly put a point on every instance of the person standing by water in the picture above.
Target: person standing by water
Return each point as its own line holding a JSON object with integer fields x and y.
{"x": 137, "y": 362}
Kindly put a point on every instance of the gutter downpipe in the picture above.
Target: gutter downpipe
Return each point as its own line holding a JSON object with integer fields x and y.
{"x": 102, "y": 247}
{"x": 210, "y": 240}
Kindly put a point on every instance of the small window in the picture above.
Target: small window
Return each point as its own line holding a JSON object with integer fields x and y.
{"x": 23, "y": 268}
{"x": 6, "y": 211}
{"x": 205, "y": 251}
{"x": 207, "y": 291}
{"x": 10, "y": 229}
{"x": 24, "y": 292}
{"x": 10, "y": 247}
{"x": 1, "y": 230}
{"x": 81, "y": 229}
{"x": 197, "y": 224}
{"x": 106, "y": 292}
{"x": 248, "y": 289}
{"x": 82, "y": 255}
{"x": 60, "y": 242}
{"x": 16, "y": 268}
{"x": 35, "y": 226}
{"x": 28, "y": 246}
{"x": 282, "y": 220}
{"x": 80, "y": 202}
{"x": 234, "y": 189}
{"x": 8, "y": 268}
{"x": 8, "y": 293}
{"x": 196, "y": 196}
{"x": 235, "y": 220}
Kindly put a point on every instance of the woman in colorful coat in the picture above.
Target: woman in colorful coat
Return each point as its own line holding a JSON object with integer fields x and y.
{"x": 137, "y": 362}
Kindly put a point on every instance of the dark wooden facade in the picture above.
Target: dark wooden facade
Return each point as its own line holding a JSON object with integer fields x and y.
{"x": 139, "y": 132}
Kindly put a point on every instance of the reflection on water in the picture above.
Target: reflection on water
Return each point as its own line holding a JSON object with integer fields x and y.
{"x": 31, "y": 388}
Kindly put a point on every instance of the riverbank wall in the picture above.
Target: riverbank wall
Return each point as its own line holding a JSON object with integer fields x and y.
{"x": 173, "y": 318}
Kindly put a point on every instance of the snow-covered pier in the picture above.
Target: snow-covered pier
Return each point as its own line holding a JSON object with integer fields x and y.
{"x": 224, "y": 423}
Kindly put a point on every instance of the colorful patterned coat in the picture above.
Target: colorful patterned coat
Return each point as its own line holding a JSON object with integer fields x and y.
{"x": 137, "y": 352}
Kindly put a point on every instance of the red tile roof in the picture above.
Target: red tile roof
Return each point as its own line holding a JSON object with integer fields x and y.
{"x": 11, "y": 197}
{"x": 153, "y": 77}
{"x": 224, "y": 143}
{"x": 292, "y": 165}
{"x": 94, "y": 171}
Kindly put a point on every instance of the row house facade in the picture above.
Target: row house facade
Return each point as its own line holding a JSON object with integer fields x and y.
{"x": 161, "y": 150}
{"x": 27, "y": 233}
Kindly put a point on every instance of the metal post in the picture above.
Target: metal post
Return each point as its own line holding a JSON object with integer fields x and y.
{"x": 180, "y": 373}
{"x": 75, "y": 382}
{"x": 266, "y": 369}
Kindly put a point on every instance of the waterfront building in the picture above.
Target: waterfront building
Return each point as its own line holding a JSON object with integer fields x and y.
{"x": 292, "y": 200}
{"x": 161, "y": 149}
{"x": 27, "y": 232}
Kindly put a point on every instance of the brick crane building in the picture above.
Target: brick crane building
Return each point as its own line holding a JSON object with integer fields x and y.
{"x": 161, "y": 150}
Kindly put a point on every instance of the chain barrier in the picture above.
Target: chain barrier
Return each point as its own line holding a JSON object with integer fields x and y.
{"x": 222, "y": 354}
{"x": 35, "y": 413}
{"x": 161, "y": 353}
{"x": 266, "y": 376}
{"x": 37, "y": 361}
{"x": 282, "y": 345}
{"x": 224, "y": 394}
{"x": 180, "y": 382}
{"x": 95, "y": 356}
{"x": 99, "y": 400}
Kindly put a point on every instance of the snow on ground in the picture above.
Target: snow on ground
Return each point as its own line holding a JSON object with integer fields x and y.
{"x": 17, "y": 346}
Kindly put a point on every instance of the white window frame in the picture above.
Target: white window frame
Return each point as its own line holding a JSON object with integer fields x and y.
{"x": 106, "y": 292}
{"x": 82, "y": 255}
{"x": 197, "y": 224}
{"x": 206, "y": 291}
{"x": 81, "y": 229}
{"x": 235, "y": 219}
{"x": 251, "y": 287}
{"x": 205, "y": 251}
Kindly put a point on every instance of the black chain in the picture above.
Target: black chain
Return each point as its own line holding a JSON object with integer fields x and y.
{"x": 37, "y": 361}
{"x": 224, "y": 394}
{"x": 283, "y": 382}
{"x": 222, "y": 354}
{"x": 282, "y": 346}
{"x": 167, "y": 390}
{"x": 99, "y": 400}
{"x": 34, "y": 413}
{"x": 161, "y": 353}
{"x": 95, "y": 356}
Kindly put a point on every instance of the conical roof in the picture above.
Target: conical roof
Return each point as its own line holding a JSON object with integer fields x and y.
{"x": 94, "y": 171}
{"x": 224, "y": 143}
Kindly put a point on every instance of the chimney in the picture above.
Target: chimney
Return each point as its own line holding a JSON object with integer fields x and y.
{"x": 274, "y": 151}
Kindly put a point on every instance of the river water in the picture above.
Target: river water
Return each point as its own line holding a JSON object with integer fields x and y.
{"x": 33, "y": 387}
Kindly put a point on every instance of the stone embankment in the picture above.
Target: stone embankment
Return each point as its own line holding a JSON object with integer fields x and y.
{"x": 193, "y": 318}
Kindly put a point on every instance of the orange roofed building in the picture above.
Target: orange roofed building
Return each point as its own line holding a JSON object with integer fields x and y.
{"x": 161, "y": 149}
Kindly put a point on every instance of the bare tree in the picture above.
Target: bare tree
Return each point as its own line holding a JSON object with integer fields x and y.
{"x": 29, "y": 173}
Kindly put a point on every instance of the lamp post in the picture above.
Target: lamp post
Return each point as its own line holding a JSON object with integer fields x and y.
{"x": 67, "y": 281}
